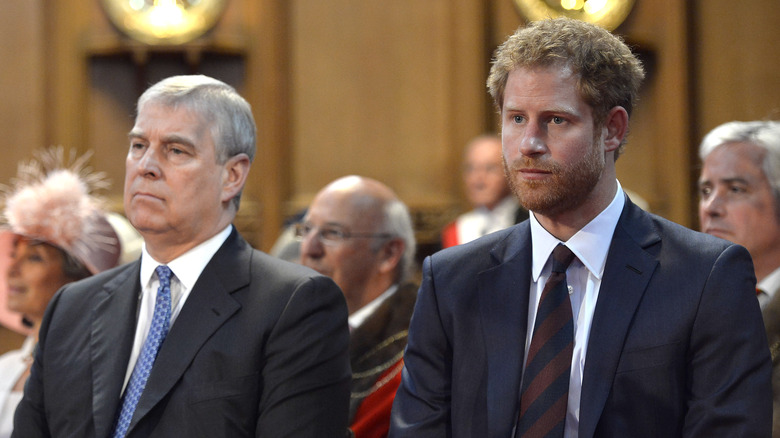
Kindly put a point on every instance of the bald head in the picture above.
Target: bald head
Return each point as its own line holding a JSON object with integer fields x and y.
{"x": 363, "y": 199}
{"x": 360, "y": 234}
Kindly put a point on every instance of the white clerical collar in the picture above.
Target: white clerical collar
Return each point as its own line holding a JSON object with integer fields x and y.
{"x": 590, "y": 244}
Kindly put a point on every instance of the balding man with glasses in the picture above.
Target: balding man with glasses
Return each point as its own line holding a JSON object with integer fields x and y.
{"x": 359, "y": 233}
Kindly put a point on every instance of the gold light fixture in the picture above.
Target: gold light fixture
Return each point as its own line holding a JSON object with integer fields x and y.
{"x": 164, "y": 21}
{"x": 605, "y": 13}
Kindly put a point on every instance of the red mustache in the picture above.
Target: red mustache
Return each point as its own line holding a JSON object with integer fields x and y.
{"x": 531, "y": 163}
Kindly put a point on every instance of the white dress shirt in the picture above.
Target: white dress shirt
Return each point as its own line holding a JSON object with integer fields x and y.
{"x": 590, "y": 245}
{"x": 186, "y": 269}
{"x": 768, "y": 286}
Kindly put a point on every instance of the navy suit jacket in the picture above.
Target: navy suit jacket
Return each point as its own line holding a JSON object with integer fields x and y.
{"x": 677, "y": 346}
{"x": 259, "y": 349}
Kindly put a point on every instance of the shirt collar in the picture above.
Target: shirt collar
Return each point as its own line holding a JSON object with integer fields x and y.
{"x": 364, "y": 312}
{"x": 590, "y": 244}
{"x": 770, "y": 284}
{"x": 188, "y": 266}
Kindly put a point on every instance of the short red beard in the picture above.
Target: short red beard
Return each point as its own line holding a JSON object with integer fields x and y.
{"x": 568, "y": 188}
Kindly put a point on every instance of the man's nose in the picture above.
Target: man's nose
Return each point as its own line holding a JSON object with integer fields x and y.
{"x": 533, "y": 140}
{"x": 714, "y": 204}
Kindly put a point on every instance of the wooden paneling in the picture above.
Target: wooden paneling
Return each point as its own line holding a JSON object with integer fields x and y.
{"x": 737, "y": 68}
{"x": 390, "y": 90}
{"x": 21, "y": 83}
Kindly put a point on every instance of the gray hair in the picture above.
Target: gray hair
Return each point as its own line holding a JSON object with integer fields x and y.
{"x": 764, "y": 134}
{"x": 218, "y": 104}
{"x": 398, "y": 222}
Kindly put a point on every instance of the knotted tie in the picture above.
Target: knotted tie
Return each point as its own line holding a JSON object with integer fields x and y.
{"x": 143, "y": 366}
{"x": 544, "y": 395}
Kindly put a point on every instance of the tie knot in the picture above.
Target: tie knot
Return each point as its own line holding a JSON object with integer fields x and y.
{"x": 562, "y": 257}
{"x": 164, "y": 275}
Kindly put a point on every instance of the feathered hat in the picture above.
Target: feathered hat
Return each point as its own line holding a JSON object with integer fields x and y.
{"x": 52, "y": 200}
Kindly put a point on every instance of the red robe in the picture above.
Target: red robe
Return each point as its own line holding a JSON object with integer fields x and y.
{"x": 372, "y": 419}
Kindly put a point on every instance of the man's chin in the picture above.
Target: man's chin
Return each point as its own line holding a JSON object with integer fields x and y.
{"x": 316, "y": 267}
{"x": 721, "y": 234}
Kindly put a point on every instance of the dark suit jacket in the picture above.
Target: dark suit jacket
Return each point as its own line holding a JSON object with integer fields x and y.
{"x": 259, "y": 349}
{"x": 676, "y": 347}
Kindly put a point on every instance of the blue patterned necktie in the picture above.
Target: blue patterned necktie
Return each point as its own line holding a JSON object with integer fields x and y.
{"x": 143, "y": 366}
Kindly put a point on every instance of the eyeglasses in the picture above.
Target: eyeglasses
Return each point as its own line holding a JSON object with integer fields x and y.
{"x": 332, "y": 235}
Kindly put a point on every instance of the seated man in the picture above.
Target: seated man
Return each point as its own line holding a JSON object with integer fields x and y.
{"x": 360, "y": 234}
{"x": 202, "y": 335}
{"x": 740, "y": 188}
{"x": 487, "y": 191}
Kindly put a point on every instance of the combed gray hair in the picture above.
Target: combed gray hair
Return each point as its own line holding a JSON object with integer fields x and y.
{"x": 217, "y": 103}
{"x": 398, "y": 222}
{"x": 764, "y": 134}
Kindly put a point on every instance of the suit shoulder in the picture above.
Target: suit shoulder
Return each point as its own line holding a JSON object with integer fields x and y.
{"x": 268, "y": 265}
{"x": 95, "y": 282}
{"x": 477, "y": 255}
{"x": 680, "y": 249}
{"x": 686, "y": 239}
{"x": 283, "y": 275}
{"x": 482, "y": 245}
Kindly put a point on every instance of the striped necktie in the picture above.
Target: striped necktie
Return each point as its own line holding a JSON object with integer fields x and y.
{"x": 143, "y": 366}
{"x": 544, "y": 395}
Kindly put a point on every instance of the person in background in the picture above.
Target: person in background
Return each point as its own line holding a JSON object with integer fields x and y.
{"x": 487, "y": 191}
{"x": 57, "y": 233}
{"x": 287, "y": 246}
{"x": 203, "y": 335}
{"x": 739, "y": 190}
{"x": 360, "y": 234}
{"x": 593, "y": 318}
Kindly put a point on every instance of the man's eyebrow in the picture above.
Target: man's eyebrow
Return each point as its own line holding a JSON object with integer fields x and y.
{"x": 179, "y": 139}
{"x": 729, "y": 180}
{"x": 733, "y": 179}
{"x": 566, "y": 110}
{"x": 171, "y": 138}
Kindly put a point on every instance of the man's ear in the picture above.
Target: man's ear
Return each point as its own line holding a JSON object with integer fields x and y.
{"x": 235, "y": 173}
{"x": 615, "y": 128}
{"x": 391, "y": 254}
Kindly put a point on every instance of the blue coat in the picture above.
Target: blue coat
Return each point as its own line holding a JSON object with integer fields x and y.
{"x": 677, "y": 346}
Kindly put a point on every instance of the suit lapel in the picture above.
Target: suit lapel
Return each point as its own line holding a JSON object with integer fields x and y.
{"x": 206, "y": 309}
{"x": 111, "y": 340}
{"x": 628, "y": 270}
{"x": 503, "y": 298}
